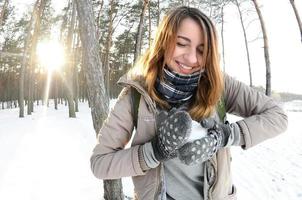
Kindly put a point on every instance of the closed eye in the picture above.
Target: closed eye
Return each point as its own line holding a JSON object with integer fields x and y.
{"x": 200, "y": 51}
{"x": 180, "y": 44}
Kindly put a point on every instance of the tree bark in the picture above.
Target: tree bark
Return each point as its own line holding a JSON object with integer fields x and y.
{"x": 113, "y": 190}
{"x": 292, "y": 2}
{"x": 24, "y": 63}
{"x": 245, "y": 42}
{"x": 108, "y": 47}
{"x": 56, "y": 92}
{"x": 37, "y": 18}
{"x": 9, "y": 88}
{"x": 75, "y": 72}
{"x": 70, "y": 64}
{"x": 150, "y": 23}
{"x": 158, "y": 12}
{"x": 138, "y": 39}
{"x": 222, "y": 37}
{"x": 266, "y": 50}
{"x": 98, "y": 19}
{"x": 98, "y": 99}
{"x": 5, "y": 4}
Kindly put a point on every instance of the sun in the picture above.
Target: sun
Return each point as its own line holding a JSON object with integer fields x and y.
{"x": 50, "y": 54}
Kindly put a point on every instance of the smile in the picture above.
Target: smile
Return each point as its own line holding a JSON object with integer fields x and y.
{"x": 184, "y": 66}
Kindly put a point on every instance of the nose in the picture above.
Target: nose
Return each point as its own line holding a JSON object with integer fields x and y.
{"x": 191, "y": 56}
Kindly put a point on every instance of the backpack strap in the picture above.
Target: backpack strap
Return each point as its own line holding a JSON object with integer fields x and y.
{"x": 221, "y": 109}
{"x": 135, "y": 98}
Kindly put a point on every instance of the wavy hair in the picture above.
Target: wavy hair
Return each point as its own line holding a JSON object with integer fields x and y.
{"x": 151, "y": 64}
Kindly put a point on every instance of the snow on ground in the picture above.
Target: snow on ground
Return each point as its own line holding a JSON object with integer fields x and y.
{"x": 46, "y": 156}
{"x": 272, "y": 169}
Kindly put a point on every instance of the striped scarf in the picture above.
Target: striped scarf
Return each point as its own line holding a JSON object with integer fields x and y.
{"x": 176, "y": 88}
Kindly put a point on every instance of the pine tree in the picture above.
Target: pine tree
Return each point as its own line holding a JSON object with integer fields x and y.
{"x": 99, "y": 100}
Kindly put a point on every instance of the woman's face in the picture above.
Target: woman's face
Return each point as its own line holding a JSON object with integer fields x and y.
{"x": 187, "y": 56}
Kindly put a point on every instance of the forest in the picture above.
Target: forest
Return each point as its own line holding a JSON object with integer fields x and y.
{"x": 77, "y": 54}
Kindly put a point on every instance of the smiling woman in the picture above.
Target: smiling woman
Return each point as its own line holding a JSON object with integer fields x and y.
{"x": 50, "y": 55}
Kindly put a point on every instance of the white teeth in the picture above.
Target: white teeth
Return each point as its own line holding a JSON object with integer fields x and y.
{"x": 185, "y": 67}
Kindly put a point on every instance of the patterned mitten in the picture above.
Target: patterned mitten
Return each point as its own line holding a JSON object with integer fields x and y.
{"x": 219, "y": 135}
{"x": 197, "y": 151}
{"x": 173, "y": 129}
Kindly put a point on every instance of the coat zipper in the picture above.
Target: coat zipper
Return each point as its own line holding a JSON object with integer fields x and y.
{"x": 158, "y": 179}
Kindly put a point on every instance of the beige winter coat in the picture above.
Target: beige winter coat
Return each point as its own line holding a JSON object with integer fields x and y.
{"x": 263, "y": 119}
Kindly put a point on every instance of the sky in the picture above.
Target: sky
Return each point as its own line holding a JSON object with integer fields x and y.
{"x": 285, "y": 46}
{"x": 45, "y": 156}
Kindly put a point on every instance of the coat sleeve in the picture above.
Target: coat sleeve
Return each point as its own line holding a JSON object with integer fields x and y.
{"x": 110, "y": 159}
{"x": 262, "y": 119}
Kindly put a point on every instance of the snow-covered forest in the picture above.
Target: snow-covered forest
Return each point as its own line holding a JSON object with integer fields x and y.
{"x": 56, "y": 56}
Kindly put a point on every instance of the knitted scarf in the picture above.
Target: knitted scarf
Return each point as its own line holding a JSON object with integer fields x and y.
{"x": 177, "y": 88}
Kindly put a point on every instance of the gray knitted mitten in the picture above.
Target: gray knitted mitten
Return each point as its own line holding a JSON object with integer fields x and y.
{"x": 203, "y": 149}
{"x": 197, "y": 151}
{"x": 173, "y": 129}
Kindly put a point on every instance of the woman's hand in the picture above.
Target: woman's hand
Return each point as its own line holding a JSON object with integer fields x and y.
{"x": 173, "y": 129}
{"x": 219, "y": 135}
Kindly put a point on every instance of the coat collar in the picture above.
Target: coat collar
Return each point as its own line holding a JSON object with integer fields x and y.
{"x": 126, "y": 80}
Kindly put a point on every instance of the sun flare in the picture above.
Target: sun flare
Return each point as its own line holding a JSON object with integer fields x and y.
{"x": 50, "y": 55}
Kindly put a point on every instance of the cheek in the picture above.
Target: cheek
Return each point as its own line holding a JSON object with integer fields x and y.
{"x": 177, "y": 52}
{"x": 200, "y": 61}
{"x": 197, "y": 69}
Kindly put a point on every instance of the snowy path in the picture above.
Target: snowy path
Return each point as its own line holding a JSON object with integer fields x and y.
{"x": 46, "y": 156}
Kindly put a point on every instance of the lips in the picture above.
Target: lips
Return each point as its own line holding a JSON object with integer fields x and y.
{"x": 184, "y": 69}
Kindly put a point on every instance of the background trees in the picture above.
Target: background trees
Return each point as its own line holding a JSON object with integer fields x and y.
{"x": 293, "y": 4}
{"x": 123, "y": 29}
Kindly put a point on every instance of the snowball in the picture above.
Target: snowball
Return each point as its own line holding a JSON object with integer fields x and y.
{"x": 197, "y": 131}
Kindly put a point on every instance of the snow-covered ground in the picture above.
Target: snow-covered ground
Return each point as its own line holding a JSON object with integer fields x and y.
{"x": 272, "y": 169}
{"x": 46, "y": 156}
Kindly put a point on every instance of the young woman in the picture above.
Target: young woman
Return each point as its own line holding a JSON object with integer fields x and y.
{"x": 179, "y": 80}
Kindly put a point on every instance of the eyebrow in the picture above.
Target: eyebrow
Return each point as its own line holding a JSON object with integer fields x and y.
{"x": 187, "y": 39}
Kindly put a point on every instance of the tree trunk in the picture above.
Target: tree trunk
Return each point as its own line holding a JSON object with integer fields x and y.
{"x": 98, "y": 18}
{"x": 98, "y": 99}
{"x": 245, "y": 42}
{"x": 24, "y": 64}
{"x": 37, "y": 18}
{"x": 158, "y": 13}
{"x": 56, "y": 92}
{"x": 9, "y": 88}
{"x": 75, "y": 72}
{"x": 211, "y": 9}
{"x": 113, "y": 190}
{"x": 70, "y": 64}
{"x": 292, "y": 2}
{"x": 138, "y": 39}
{"x": 5, "y": 4}
{"x": 150, "y": 23}
{"x": 108, "y": 47}
{"x": 222, "y": 37}
{"x": 266, "y": 50}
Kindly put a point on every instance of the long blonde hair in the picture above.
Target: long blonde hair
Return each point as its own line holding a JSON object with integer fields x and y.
{"x": 151, "y": 64}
